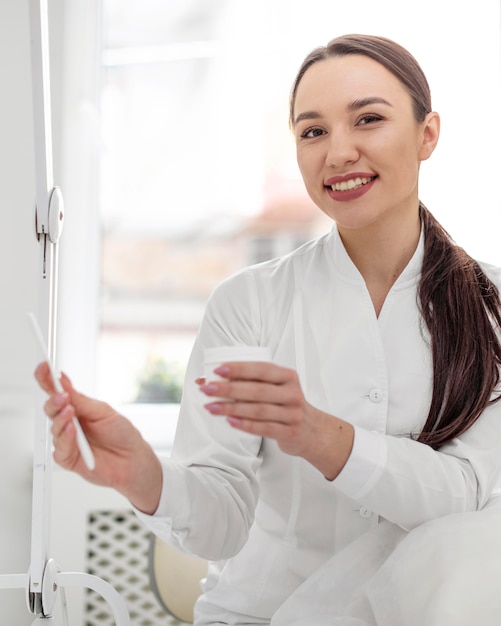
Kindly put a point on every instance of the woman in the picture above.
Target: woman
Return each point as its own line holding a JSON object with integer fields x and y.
{"x": 379, "y": 414}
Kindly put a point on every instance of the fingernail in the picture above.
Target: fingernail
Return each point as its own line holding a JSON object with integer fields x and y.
{"x": 65, "y": 375}
{"x": 222, "y": 370}
{"x": 213, "y": 407}
{"x": 209, "y": 388}
{"x": 60, "y": 399}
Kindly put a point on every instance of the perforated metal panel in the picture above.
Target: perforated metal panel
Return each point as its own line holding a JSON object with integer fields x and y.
{"x": 117, "y": 551}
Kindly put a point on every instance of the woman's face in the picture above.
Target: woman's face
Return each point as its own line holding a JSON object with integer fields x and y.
{"x": 358, "y": 144}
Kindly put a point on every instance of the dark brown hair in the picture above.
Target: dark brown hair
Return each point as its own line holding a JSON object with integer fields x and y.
{"x": 459, "y": 304}
{"x": 389, "y": 54}
{"x": 462, "y": 311}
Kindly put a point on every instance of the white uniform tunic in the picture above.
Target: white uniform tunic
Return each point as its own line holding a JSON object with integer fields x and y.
{"x": 269, "y": 520}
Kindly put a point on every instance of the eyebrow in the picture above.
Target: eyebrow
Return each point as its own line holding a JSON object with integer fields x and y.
{"x": 352, "y": 106}
{"x": 363, "y": 102}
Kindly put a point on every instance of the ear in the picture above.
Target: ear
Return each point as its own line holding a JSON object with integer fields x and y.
{"x": 430, "y": 133}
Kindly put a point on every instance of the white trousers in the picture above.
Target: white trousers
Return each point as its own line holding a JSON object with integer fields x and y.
{"x": 446, "y": 572}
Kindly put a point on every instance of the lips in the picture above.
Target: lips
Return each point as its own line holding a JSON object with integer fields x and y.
{"x": 350, "y": 186}
{"x": 352, "y": 183}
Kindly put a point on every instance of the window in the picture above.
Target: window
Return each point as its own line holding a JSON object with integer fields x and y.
{"x": 186, "y": 187}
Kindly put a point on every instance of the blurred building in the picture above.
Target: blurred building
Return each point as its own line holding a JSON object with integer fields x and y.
{"x": 162, "y": 280}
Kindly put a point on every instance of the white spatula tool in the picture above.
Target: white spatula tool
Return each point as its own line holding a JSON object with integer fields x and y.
{"x": 83, "y": 444}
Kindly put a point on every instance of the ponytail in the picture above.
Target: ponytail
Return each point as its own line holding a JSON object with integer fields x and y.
{"x": 462, "y": 311}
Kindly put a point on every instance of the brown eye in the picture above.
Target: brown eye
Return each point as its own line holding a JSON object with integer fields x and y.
{"x": 369, "y": 119}
{"x": 310, "y": 133}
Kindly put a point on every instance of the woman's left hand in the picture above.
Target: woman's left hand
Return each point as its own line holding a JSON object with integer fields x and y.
{"x": 266, "y": 400}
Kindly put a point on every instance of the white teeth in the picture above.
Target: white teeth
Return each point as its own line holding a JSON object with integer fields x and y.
{"x": 353, "y": 183}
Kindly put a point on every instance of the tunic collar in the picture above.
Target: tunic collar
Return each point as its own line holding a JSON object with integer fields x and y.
{"x": 348, "y": 270}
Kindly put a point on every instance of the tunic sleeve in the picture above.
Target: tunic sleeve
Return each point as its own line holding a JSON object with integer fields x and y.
{"x": 409, "y": 483}
{"x": 210, "y": 485}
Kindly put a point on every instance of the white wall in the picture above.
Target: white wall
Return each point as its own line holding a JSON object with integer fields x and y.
{"x": 73, "y": 32}
{"x": 19, "y": 279}
{"x": 18, "y": 258}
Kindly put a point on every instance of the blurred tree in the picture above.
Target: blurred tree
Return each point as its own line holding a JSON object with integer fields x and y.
{"x": 160, "y": 382}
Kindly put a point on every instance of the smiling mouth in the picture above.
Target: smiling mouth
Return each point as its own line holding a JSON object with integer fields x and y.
{"x": 353, "y": 183}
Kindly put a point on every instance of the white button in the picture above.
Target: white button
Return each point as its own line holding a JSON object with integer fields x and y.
{"x": 365, "y": 512}
{"x": 375, "y": 395}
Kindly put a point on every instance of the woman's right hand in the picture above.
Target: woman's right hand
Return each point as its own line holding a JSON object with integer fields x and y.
{"x": 124, "y": 460}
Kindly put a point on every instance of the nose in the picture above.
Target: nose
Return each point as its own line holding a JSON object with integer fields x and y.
{"x": 342, "y": 149}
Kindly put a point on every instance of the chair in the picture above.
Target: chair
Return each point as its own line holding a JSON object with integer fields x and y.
{"x": 175, "y": 578}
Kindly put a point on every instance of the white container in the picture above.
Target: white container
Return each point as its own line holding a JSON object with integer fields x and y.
{"x": 213, "y": 357}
